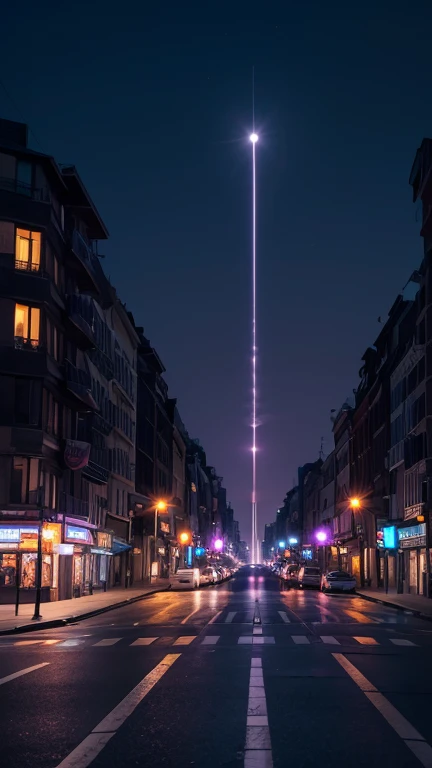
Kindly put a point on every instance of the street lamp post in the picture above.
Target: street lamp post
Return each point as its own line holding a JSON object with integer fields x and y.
{"x": 160, "y": 506}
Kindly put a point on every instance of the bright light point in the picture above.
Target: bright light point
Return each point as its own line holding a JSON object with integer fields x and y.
{"x": 321, "y": 536}
{"x": 355, "y": 503}
{"x": 292, "y": 540}
{"x": 218, "y": 544}
{"x": 253, "y": 138}
{"x": 281, "y": 544}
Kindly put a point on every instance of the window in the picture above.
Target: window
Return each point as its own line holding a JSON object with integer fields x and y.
{"x": 24, "y": 480}
{"x": 27, "y": 327}
{"x": 51, "y": 413}
{"x": 27, "y": 250}
{"x": 27, "y": 406}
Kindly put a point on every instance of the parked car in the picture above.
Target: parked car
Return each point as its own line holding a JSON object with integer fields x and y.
{"x": 338, "y": 581}
{"x": 208, "y": 575}
{"x": 309, "y": 576}
{"x": 291, "y": 574}
{"x": 186, "y": 578}
{"x": 219, "y": 573}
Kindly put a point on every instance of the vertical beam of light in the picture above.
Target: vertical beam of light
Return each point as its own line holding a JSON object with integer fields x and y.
{"x": 254, "y": 138}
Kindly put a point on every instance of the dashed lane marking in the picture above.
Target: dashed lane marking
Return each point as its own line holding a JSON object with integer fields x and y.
{"x": 186, "y": 640}
{"x": 400, "y": 641}
{"x": 144, "y": 641}
{"x": 107, "y": 641}
{"x": 329, "y": 640}
{"x": 210, "y": 640}
{"x": 301, "y": 640}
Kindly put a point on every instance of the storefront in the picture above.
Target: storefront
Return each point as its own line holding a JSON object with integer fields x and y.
{"x": 18, "y": 561}
{"x": 412, "y": 543}
{"x": 102, "y": 555}
{"x": 387, "y": 554}
{"x": 83, "y": 539}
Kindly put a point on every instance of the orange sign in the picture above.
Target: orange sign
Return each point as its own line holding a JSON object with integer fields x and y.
{"x": 51, "y": 536}
{"x": 28, "y": 541}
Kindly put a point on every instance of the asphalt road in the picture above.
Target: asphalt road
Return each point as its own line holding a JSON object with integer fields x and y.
{"x": 244, "y": 673}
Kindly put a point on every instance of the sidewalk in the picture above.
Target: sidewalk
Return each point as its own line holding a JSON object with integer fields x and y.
{"x": 416, "y": 604}
{"x": 63, "y": 612}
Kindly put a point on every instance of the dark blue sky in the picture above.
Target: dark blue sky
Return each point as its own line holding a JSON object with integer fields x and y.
{"x": 154, "y": 110}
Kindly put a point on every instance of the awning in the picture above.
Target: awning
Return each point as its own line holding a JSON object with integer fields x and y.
{"x": 119, "y": 545}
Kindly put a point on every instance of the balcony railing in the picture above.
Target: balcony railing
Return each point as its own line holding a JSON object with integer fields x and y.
{"x": 29, "y": 344}
{"x": 26, "y": 266}
{"x": 78, "y": 381}
{"x": 81, "y": 314}
{"x": 41, "y": 195}
{"x": 70, "y": 505}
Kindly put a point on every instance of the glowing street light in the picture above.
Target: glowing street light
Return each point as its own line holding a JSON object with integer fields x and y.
{"x": 218, "y": 544}
{"x": 253, "y": 138}
{"x": 355, "y": 503}
{"x": 281, "y": 545}
{"x": 292, "y": 540}
{"x": 321, "y": 537}
{"x": 184, "y": 537}
{"x": 161, "y": 506}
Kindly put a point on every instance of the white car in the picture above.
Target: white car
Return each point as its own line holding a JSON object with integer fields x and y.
{"x": 338, "y": 581}
{"x": 208, "y": 575}
{"x": 309, "y": 576}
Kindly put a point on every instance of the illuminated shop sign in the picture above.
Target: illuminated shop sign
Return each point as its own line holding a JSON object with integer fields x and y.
{"x": 413, "y": 536}
{"x": 104, "y": 540}
{"x": 390, "y": 537}
{"x": 80, "y": 535}
{"x": 18, "y": 537}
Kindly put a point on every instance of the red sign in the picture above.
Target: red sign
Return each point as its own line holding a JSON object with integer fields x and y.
{"x": 76, "y": 454}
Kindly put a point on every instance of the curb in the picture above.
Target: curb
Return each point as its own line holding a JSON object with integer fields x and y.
{"x": 408, "y": 611}
{"x": 54, "y": 623}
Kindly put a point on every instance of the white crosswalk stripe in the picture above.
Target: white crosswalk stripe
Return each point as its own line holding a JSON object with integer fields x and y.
{"x": 284, "y": 617}
{"x": 255, "y": 638}
{"x": 230, "y": 617}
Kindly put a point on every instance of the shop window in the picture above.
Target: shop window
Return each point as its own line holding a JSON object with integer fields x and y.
{"x": 27, "y": 327}
{"x": 28, "y": 570}
{"x": 8, "y": 570}
{"x": 24, "y": 480}
{"x": 27, "y": 250}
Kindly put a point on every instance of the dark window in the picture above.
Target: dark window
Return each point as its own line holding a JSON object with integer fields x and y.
{"x": 27, "y": 408}
{"x": 24, "y": 480}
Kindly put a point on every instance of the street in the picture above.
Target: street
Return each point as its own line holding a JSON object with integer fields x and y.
{"x": 243, "y": 673}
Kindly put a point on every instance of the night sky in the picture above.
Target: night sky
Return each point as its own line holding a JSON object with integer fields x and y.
{"x": 154, "y": 109}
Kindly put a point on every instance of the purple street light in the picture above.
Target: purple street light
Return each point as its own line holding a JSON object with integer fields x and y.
{"x": 321, "y": 537}
{"x": 218, "y": 544}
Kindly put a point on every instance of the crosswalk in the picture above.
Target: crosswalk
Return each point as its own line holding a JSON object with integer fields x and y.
{"x": 256, "y": 638}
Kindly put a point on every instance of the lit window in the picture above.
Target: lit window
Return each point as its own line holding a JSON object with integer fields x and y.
{"x": 27, "y": 250}
{"x": 27, "y": 326}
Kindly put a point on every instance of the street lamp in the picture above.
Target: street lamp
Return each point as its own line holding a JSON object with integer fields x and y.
{"x": 292, "y": 541}
{"x": 355, "y": 503}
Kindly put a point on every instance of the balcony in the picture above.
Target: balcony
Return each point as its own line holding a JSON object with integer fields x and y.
{"x": 41, "y": 195}
{"x": 87, "y": 261}
{"x": 26, "y": 266}
{"x": 80, "y": 313}
{"x": 97, "y": 470}
{"x": 32, "y": 345}
{"x": 71, "y": 506}
{"x": 78, "y": 382}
